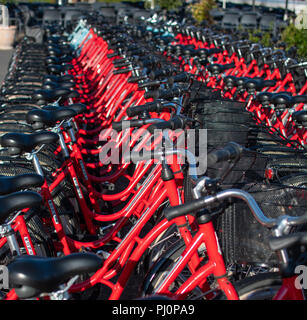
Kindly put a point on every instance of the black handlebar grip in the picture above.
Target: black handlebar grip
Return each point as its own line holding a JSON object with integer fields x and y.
{"x": 120, "y": 71}
{"x": 112, "y": 55}
{"x": 133, "y": 111}
{"x": 181, "y": 77}
{"x": 119, "y": 61}
{"x": 126, "y": 124}
{"x": 155, "y": 83}
{"x": 170, "y": 94}
{"x": 176, "y": 122}
{"x": 147, "y": 107}
{"x": 118, "y": 126}
{"x": 136, "y": 79}
{"x": 184, "y": 209}
{"x": 160, "y": 126}
{"x": 155, "y": 74}
{"x": 123, "y": 64}
{"x": 151, "y": 94}
{"x": 230, "y": 152}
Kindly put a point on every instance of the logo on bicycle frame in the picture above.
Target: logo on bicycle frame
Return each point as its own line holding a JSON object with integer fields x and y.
{"x": 124, "y": 147}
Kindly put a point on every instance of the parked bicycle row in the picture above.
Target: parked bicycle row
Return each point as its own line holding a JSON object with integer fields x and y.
{"x": 174, "y": 153}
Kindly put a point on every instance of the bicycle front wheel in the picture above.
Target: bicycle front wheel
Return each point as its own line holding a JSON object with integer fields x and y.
{"x": 262, "y": 286}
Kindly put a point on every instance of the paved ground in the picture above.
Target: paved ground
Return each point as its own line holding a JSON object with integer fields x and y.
{"x": 5, "y": 56}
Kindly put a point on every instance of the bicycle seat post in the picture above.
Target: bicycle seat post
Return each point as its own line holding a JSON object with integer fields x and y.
{"x": 7, "y": 231}
{"x": 35, "y": 161}
{"x": 68, "y": 125}
{"x": 62, "y": 294}
{"x": 64, "y": 148}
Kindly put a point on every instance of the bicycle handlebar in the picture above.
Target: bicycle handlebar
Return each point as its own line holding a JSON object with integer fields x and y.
{"x": 297, "y": 65}
{"x": 283, "y": 242}
{"x": 177, "y": 122}
{"x": 112, "y": 55}
{"x": 180, "y": 77}
{"x": 120, "y": 71}
{"x": 122, "y": 64}
{"x": 231, "y": 151}
{"x": 165, "y": 94}
{"x": 134, "y": 123}
{"x": 147, "y": 107}
{"x": 191, "y": 207}
{"x": 136, "y": 78}
{"x": 154, "y": 83}
{"x": 196, "y": 205}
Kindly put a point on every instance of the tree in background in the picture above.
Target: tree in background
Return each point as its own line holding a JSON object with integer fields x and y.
{"x": 163, "y": 4}
{"x": 201, "y": 10}
{"x": 169, "y": 4}
{"x": 293, "y": 36}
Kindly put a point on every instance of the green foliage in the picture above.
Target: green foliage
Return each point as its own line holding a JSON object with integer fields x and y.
{"x": 109, "y": 1}
{"x": 7, "y": 1}
{"x": 258, "y": 36}
{"x": 201, "y": 10}
{"x": 169, "y": 4}
{"x": 296, "y": 37}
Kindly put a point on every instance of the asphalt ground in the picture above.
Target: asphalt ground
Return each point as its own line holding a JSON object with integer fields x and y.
{"x": 5, "y": 56}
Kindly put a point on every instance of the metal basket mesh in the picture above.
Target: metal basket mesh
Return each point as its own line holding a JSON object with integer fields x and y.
{"x": 242, "y": 238}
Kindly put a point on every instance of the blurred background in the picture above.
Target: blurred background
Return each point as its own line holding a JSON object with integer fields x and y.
{"x": 273, "y": 23}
